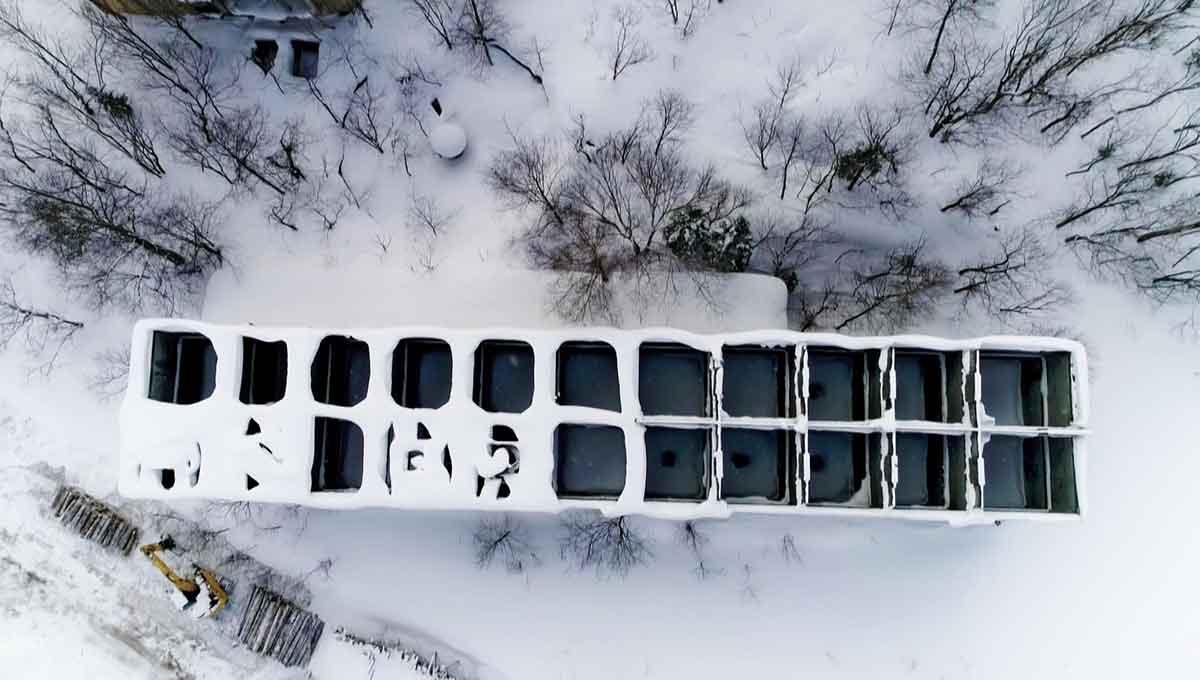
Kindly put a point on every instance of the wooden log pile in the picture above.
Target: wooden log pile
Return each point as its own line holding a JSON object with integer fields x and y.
{"x": 275, "y": 627}
{"x": 94, "y": 520}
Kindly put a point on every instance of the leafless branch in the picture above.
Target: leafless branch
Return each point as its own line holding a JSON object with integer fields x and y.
{"x": 506, "y": 540}
{"x": 44, "y": 332}
{"x": 609, "y": 545}
{"x": 628, "y": 47}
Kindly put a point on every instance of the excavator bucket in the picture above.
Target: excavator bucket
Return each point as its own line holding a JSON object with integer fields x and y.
{"x": 212, "y": 591}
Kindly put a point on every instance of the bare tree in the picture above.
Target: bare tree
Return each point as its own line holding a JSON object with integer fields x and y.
{"x": 485, "y": 30}
{"x": 609, "y": 545}
{"x": 480, "y": 25}
{"x": 786, "y": 243}
{"x": 1165, "y": 89}
{"x": 879, "y": 151}
{"x": 234, "y": 147}
{"x": 695, "y": 542}
{"x": 803, "y": 155}
{"x": 1144, "y": 183}
{"x": 891, "y": 292}
{"x": 628, "y": 47}
{"x": 71, "y": 80}
{"x": 987, "y": 192}
{"x": 503, "y": 539}
{"x": 608, "y": 211}
{"x": 114, "y": 237}
{"x": 788, "y": 550}
{"x": 685, "y": 15}
{"x": 44, "y": 332}
{"x": 1135, "y": 221}
{"x": 440, "y": 16}
{"x": 809, "y": 308}
{"x": 770, "y": 118}
{"x": 871, "y": 159}
{"x": 427, "y": 214}
{"x": 1034, "y": 69}
{"x": 367, "y": 117}
{"x": 1013, "y": 281}
{"x": 111, "y": 375}
{"x": 365, "y": 111}
{"x": 209, "y": 127}
{"x": 177, "y": 68}
{"x": 936, "y": 16}
{"x": 139, "y": 251}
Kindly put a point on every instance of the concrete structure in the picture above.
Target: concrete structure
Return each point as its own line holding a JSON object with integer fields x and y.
{"x": 276, "y": 9}
{"x": 657, "y": 422}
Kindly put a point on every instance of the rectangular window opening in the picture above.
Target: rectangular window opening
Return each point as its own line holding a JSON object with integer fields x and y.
{"x": 837, "y": 384}
{"x": 183, "y": 367}
{"x": 589, "y": 461}
{"x": 587, "y": 376}
{"x": 264, "y": 371}
{"x": 337, "y": 455}
{"x": 673, "y": 380}
{"x": 757, "y": 382}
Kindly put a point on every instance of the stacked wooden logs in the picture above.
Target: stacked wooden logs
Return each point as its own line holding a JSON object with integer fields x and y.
{"x": 275, "y": 627}
{"x": 94, "y": 520}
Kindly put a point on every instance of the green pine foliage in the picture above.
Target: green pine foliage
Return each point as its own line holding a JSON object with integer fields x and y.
{"x": 724, "y": 245}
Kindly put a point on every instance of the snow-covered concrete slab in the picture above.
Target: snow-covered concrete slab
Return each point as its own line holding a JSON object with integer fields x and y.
{"x": 339, "y": 427}
{"x": 365, "y": 292}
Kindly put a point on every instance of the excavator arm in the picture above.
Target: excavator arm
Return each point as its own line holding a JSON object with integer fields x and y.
{"x": 217, "y": 597}
{"x": 186, "y": 586}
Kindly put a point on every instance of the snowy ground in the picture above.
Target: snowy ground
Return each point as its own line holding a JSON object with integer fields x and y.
{"x": 1111, "y": 596}
{"x": 73, "y": 610}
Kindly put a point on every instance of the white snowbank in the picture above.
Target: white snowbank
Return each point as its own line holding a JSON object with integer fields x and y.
{"x": 367, "y": 292}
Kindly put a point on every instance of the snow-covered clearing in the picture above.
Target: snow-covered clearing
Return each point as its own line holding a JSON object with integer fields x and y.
{"x": 1112, "y": 596}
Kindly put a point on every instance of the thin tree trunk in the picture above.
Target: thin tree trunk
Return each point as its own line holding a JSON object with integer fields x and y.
{"x": 937, "y": 41}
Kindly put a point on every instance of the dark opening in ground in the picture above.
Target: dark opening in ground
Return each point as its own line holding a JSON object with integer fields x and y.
{"x": 673, "y": 380}
{"x": 921, "y": 467}
{"x": 677, "y": 463}
{"x": 183, "y": 368}
{"x": 504, "y": 376}
{"x": 421, "y": 370}
{"x": 757, "y": 382}
{"x": 837, "y": 384}
{"x": 264, "y": 53}
{"x": 589, "y": 461}
{"x": 1013, "y": 388}
{"x": 1063, "y": 494}
{"x": 305, "y": 58}
{"x": 264, "y": 371}
{"x": 341, "y": 371}
{"x": 1058, "y": 389}
{"x": 757, "y": 464}
{"x": 1015, "y": 473}
{"x": 337, "y": 455}
{"x": 962, "y": 470}
{"x": 837, "y": 466}
{"x": 587, "y": 375}
{"x": 923, "y": 388}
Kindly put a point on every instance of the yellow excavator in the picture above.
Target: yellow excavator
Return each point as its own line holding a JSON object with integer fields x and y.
{"x": 190, "y": 590}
